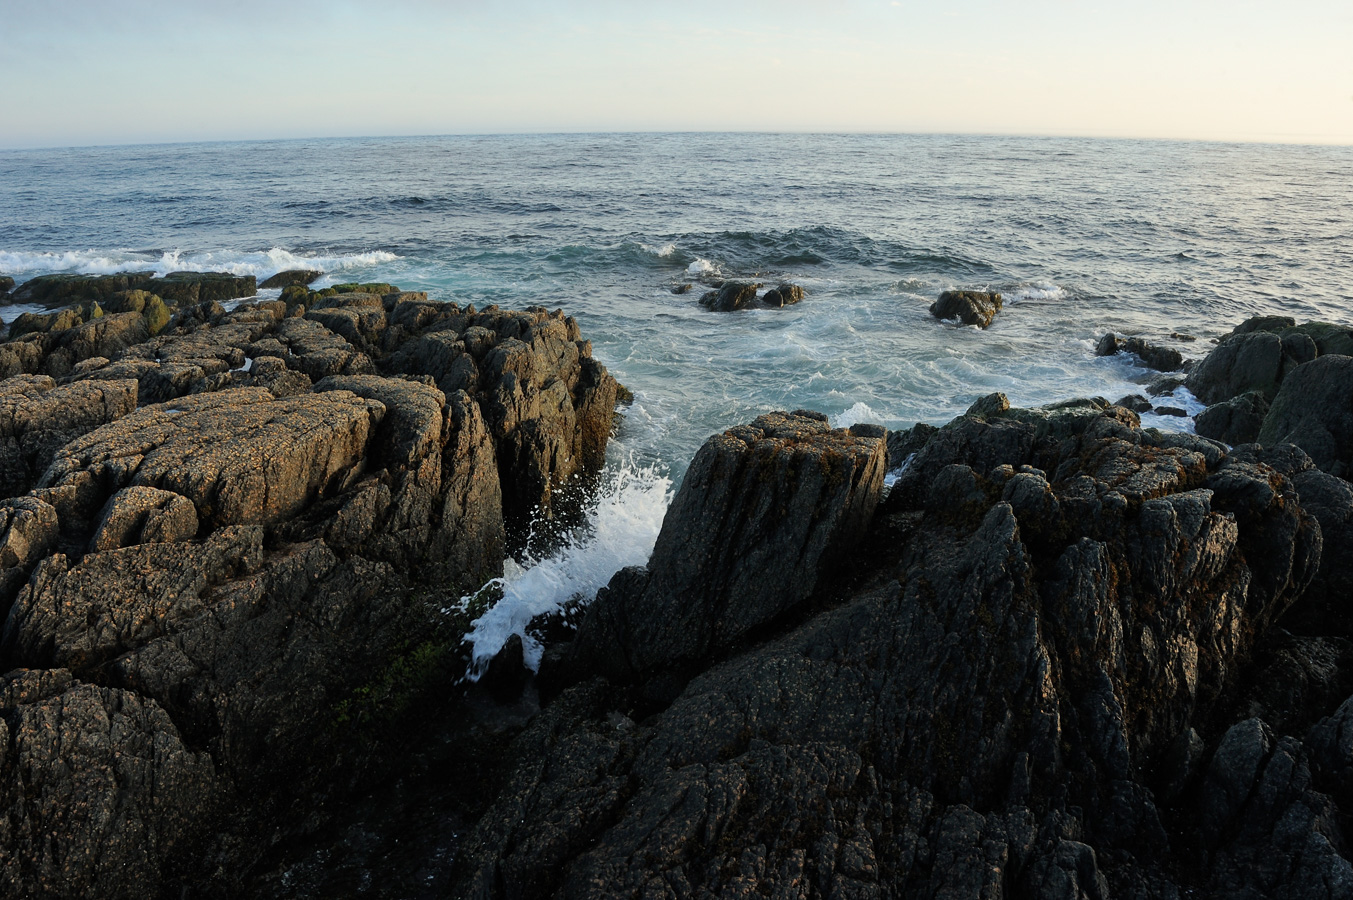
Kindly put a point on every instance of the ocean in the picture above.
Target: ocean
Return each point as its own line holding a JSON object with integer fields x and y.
{"x": 1080, "y": 236}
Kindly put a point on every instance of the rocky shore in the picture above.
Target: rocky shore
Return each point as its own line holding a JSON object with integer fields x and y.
{"x": 1062, "y": 655}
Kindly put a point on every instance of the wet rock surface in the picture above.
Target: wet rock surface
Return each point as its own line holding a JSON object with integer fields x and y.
{"x": 969, "y": 307}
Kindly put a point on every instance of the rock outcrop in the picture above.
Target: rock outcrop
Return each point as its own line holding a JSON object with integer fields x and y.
{"x": 764, "y": 513}
{"x": 969, "y": 307}
{"x": 1025, "y": 692}
{"x": 1259, "y": 354}
{"x": 230, "y": 532}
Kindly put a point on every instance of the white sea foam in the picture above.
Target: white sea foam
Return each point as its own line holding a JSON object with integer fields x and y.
{"x": 701, "y": 267}
{"x": 662, "y": 252}
{"x": 620, "y": 532}
{"x": 257, "y": 263}
{"x": 1034, "y": 292}
{"x": 860, "y": 412}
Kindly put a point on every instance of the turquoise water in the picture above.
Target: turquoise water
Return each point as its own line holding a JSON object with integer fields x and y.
{"x": 1081, "y": 236}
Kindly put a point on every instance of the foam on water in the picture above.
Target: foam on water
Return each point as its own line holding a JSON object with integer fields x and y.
{"x": 259, "y": 263}
{"x": 701, "y": 267}
{"x": 859, "y": 413}
{"x": 620, "y": 531}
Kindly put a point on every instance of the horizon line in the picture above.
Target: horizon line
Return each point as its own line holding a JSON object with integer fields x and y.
{"x": 1259, "y": 139}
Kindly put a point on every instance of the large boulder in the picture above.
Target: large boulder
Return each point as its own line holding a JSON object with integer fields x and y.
{"x": 969, "y": 307}
{"x": 1234, "y": 421}
{"x": 1260, "y": 352}
{"x": 1314, "y": 410}
{"x": 732, "y": 295}
{"x": 764, "y": 513}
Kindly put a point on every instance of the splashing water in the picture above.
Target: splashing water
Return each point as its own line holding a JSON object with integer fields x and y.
{"x": 620, "y": 531}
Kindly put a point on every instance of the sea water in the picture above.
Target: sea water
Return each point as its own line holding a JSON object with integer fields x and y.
{"x": 1080, "y": 237}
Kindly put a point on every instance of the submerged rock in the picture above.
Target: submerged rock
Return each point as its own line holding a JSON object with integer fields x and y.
{"x": 730, "y": 296}
{"x": 1163, "y": 359}
{"x": 969, "y": 307}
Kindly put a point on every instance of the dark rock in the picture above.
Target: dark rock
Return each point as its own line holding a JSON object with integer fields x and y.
{"x": 1271, "y": 324}
{"x": 1164, "y": 384}
{"x": 902, "y": 444}
{"x": 1163, "y": 359}
{"x": 731, "y": 296}
{"x": 764, "y": 512}
{"x": 1261, "y": 352}
{"x": 61, "y": 290}
{"x": 784, "y": 295}
{"x": 100, "y": 789}
{"x": 1171, "y": 411}
{"x": 969, "y": 307}
{"x": 6, "y": 286}
{"x": 290, "y": 277}
{"x": 1234, "y": 421}
{"x": 1135, "y": 402}
{"x": 506, "y": 675}
{"x": 1030, "y": 659}
{"x": 189, "y": 288}
{"x": 1314, "y": 410}
{"x": 682, "y": 288}
{"x": 1252, "y": 361}
{"x": 82, "y": 615}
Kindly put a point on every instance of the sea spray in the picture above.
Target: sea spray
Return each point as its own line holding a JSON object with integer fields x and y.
{"x": 621, "y": 527}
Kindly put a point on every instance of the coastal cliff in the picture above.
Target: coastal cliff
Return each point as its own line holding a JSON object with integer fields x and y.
{"x": 1034, "y": 652}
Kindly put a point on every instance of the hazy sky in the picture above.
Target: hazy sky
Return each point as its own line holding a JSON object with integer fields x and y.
{"x": 117, "y": 71}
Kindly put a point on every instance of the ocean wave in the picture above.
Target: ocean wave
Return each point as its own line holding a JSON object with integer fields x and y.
{"x": 621, "y": 529}
{"x": 858, "y": 413}
{"x": 258, "y": 263}
{"x": 1034, "y": 292}
{"x": 701, "y": 267}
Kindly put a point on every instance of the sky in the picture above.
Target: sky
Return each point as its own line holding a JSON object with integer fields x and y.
{"x": 89, "y": 72}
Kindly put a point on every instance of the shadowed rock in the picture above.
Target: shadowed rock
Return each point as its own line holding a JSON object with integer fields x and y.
{"x": 1314, "y": 410}
{"x": 60, "y": 290}
{"x": 764, "y": 512}
{"x": 1030, "y": 648}
{"x": 1234, "y": 421}
{"x": 99, "y": 789}
{"x": 731, "y": 296}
